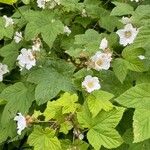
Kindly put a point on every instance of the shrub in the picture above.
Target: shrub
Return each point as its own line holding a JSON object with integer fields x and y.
{"x": 75, "y": 74}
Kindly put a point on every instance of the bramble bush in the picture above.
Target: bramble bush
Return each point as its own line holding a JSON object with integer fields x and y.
{"x": 75, "y": 74}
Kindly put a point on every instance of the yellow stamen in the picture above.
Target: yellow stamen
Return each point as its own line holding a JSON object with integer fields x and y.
{"x": 90, "y": 84}
{"x": 99, "y": 62}
{"x": 128, "y": 34}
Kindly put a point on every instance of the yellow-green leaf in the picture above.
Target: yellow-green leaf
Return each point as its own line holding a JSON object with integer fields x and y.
{"x": 10, "y": 2}
{"x": 99, "y": 100}
{"x": 44, "y": 139}
{"x": 68, "y": 103}
{"x": 66, "y": 126}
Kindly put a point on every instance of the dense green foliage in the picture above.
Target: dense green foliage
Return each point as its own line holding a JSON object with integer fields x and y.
{"x": 72, "y": 93}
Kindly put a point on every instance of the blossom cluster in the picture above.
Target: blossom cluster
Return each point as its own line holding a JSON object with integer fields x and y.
{"x": 101, "y": 60}
{"x": 27, "y": 57}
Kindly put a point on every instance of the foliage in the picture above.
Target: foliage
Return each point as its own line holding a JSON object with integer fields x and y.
{"x": 68, "y": 78}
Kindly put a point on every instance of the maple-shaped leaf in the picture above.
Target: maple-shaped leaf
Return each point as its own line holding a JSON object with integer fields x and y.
{"x": 19, "y": 98}
{"x": 49, "y": 27}
{"x": 51, "y": 80}
{"x": 44, "y": 139}
{"x": 102, "y": 127}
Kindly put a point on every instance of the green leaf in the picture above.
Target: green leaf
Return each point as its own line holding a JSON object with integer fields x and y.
{"x": 48, "y": 27}
{"x": 10, "y": 2}
{"x": 65, "y": 127}
{"x": 51, "y": 80}
{"x": 51, "y": 110}
{"x": 44, "y": 139}
{"x": 10, "y": 53}
{"x": 108, "y": 119}
{"x": 128, "y": 138}
{"x": 122, "y": 9}
{"x": 68, "y": 103}
{"x": 83, "y": 21}
{"x": 26, "y": 2}
{"x": 86, "y": 44}
{"x": 77, "y": 144}
{"x": 143, "y": 37}
{"x": 5, "y": 32}
{"x": 94, "y": 9}
{"x": 99, "y": 100}
{"x": 143, "y": 78}
{"x": 130, "y": 54}
{"x": 141, "y": 17}
{"x": 36, "y": 114}
{"x": 136, "y": 97}
{"x": 101, "y": 128}
{"x": 140, "y": 146}
{"x": 111, "y": 84}
{"x": 141, "y": 124}
{"x": 109, "y": 23}
{"x": 91, "y": 37}
{"x": 108, "y": 138}
{"x": 70, "y": 5}
{"x": 132, "y": 61}
{"x": 9, "y": 130}
{"x": 65, "y": 104}
{"x": 136, "y": 65}
{"x": 19, "y": 99}
{"x": 82, "y": 73}
{"x": 120, "y": 69}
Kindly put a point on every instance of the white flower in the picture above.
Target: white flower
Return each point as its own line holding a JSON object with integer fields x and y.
{"x": 67, "y": 30}
{"x": 36, "y": 45}
{"x": 26, "y": 59}
{"x": 125, "y": 20}
{"x": 3, "y": 70}
{"x": 103, "y": 44}
{"x": 41, "y": 3}
{"x": 18, "y": 37}
{"x": 91, "y": 83}
{"x": 142, "y": 57}
{"x": 127, "y": 35}
{"x": 101, "y": 60}
{"x": 8, "y": 21}
{"x": 21, "y": 123}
